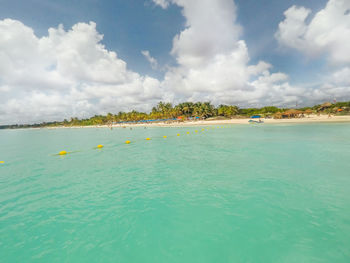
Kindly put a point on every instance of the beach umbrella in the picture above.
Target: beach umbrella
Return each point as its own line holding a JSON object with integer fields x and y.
{"x": 255, "y": 117}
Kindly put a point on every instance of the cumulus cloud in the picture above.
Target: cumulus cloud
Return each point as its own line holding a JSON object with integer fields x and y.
{"x": 328, "y": 32}
{"x": 213, "y": 61}
{"x": 64, "y": 74}
{"x": 71, "y": 73}
{"x": 150, "y": 59}
{"x": 326, "y": 35}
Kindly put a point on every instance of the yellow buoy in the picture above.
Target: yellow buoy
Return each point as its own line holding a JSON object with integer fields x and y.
{"x": 2, "y": 162}
{"x": 147, "y": 139}
{"x": 127, "y": 142}
{"x": 203, "y": 129}
{"x": 178, "y": 134}
{"x": 62, "y": 153}
{"x": 99, "y": 146}
{"x": 188, "y": 132}
{"x": 195, "y": 131}
{"x": 164, "y": 137}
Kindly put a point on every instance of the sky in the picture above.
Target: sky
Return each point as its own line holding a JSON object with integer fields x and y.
{"x": 69, "y": 58}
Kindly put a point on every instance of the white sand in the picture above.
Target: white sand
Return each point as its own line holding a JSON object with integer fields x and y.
{"x": 311, "y": 119}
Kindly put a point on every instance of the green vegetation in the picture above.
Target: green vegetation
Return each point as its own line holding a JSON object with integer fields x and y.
{"x": 187, "y": 110}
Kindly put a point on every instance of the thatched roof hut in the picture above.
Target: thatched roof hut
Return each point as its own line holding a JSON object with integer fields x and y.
{"x": 308, "y": 111}
{"x": 325, "y": 106}
{"x": 277, "y": 115}
{"x": 292, "y": 113}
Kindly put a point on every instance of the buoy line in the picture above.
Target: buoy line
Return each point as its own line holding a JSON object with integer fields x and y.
{"x": 100, "y": 146}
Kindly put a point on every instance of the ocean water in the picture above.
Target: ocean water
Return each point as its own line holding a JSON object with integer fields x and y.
{"x": 243, "y": 193}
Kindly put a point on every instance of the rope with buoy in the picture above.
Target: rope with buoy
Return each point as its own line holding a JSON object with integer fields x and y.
{"x": 100, "y": 146}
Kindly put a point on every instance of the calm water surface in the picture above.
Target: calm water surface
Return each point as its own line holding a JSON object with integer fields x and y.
{"x": 264, "y": 193}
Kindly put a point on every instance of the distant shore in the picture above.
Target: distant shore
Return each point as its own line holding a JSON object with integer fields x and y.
{"x": 310, "y": 119}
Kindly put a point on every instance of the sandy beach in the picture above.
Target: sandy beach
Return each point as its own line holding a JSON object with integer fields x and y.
{"x": 311, "y": 119}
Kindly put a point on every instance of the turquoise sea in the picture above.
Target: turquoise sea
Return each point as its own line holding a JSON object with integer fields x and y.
{"x": 242, "y": 193}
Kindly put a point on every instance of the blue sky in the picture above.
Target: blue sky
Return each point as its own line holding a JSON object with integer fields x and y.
{"x": 133, "y": 25}
{"x": 260, "y": 20}
{"x": 129, "y": 27}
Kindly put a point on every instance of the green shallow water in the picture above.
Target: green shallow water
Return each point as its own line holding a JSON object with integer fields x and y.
{"x": 265, "y": 193}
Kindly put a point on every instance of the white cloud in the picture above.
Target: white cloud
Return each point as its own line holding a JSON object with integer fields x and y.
{"x": 163, "y": 3}
{"x": 328, "y": 32}
{"x": 150, "y": 59}
{"x": 70, "y": 73}
{"x": 213, "y": 62}
{"x": 67, "y": 73}
{"x": 341, "y": 77}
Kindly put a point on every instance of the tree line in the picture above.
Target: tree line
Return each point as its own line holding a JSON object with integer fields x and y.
{"x": 183, "y": 111}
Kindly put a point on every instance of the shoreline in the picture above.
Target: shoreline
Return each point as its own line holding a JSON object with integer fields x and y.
{"x": 305, "y": 120}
